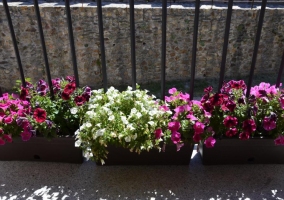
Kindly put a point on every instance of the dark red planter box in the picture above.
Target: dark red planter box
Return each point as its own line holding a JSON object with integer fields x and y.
{"x": 122, "y": 156}
{"x": 236, "y": 151}
{"x": 60, "y": 149}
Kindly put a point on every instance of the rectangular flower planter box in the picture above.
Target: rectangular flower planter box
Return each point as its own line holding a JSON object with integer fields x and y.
{"x": 122, "y": 156}
{"x": 61, "y": 149}
{"x": 236, "y": 151}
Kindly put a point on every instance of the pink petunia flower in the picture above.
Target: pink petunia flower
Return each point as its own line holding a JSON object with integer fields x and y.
{"x": 279, "y": 140}
{"x": 2, "y": 142}
{"x": 210, "y": 142}
{"x": 172, "y": 91}
{"x": 175, "y": 137}
{"x": 198, "y": 127}
{"x": 158, "y": 133}
{"x": 8, "y": 138}
{"x": 174, "y": 126}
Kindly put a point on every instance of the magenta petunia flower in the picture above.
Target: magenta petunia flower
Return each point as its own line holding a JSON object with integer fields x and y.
{"x": 179, "y": 145}
{"x": 269, "y": 124}
{"x": 26, "y": 135}
{"x": 164, "y": 108}
{"x": 191, "y": 117}
{"x": 8, "y": 120}
{"x": 24, "y": 93}
{"x": 70, "y": 79}
{"x": 79, "y": 100}
{"x": 196, "y": 138}
{"x": 281, "y": 99}
{"x": 230, "y": 121}
{"x": 249, "y": 126}
{"x": 70, "y": 88}
{"x": 210, "y": 142}
{"x": 40, "y": 115}
{"x": 158, "y": 133}
{"x": 2, "y": 142}
{"x": 231, "y": 105}
{"x": 244, "y": 136}
{"x": 8, "y": 138}
{"x": 231, "y": 132}
{"x": 65, "y": 95}
{"x": 175, "y": 137}
{"x": 174, "y": 126}
{"x": 279, "y": 140}
{"x": 198, "y": 127}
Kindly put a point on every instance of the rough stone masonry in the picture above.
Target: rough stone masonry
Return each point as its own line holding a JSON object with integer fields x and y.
{"x": 148, "y": 18}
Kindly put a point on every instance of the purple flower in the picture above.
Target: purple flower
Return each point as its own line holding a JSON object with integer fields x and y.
{"x": 42, "y": 87}
{"x": 26, "y": 135}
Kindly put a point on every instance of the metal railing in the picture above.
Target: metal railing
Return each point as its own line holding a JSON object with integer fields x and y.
{"x": 132, "y": 38}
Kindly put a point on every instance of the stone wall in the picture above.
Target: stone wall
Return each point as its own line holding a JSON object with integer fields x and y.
{"x": 148, "y": 42}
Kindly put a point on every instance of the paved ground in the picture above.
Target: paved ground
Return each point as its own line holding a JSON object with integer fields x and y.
{"x": 38, "y": 180}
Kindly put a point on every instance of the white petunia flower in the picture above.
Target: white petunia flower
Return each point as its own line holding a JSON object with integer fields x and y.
{"x": 78, "y": 143}
{"x": 151, "y": 123}
{"x": 127, "y": 139}
{"x": 130, "y": 127}
{"x": 138, "y": 115}
{"x": 88, "y": 124}
{"x": 74, "y": 110}
{"x": 134, "y": 136}
{"x": 111, "y": 118}
{"x": 99, "y": 133}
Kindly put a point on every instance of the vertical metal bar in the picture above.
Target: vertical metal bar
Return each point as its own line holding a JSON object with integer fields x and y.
{"x": 14, "y": 42}
{"x": 43, "y": 47}
{"x": 164, "y": 45}
{"x": 194, "y": 48}
{"x": 280, "y": 71}
{"x": 102, "y": 43}
{"x": 71, "y": 40}
{"x": 252, "y": 4}
{"x": 256, "y": 44}
{"x": 225, "y": 45}
{"x": 132, "y": 33}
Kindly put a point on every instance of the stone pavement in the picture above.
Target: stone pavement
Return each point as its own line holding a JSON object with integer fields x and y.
{"x": 38, "y": 180}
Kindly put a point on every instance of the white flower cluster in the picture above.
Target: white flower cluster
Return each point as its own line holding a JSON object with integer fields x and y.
{"x": 127, "y": 118}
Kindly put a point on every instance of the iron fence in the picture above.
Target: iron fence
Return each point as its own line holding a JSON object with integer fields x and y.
{"x": 132, "y": 38}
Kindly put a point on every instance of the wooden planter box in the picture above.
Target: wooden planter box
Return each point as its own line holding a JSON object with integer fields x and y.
{"x": 40, "y": 149}
{"x": 121, "y": 156}
{"x": 236, "y": 151}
